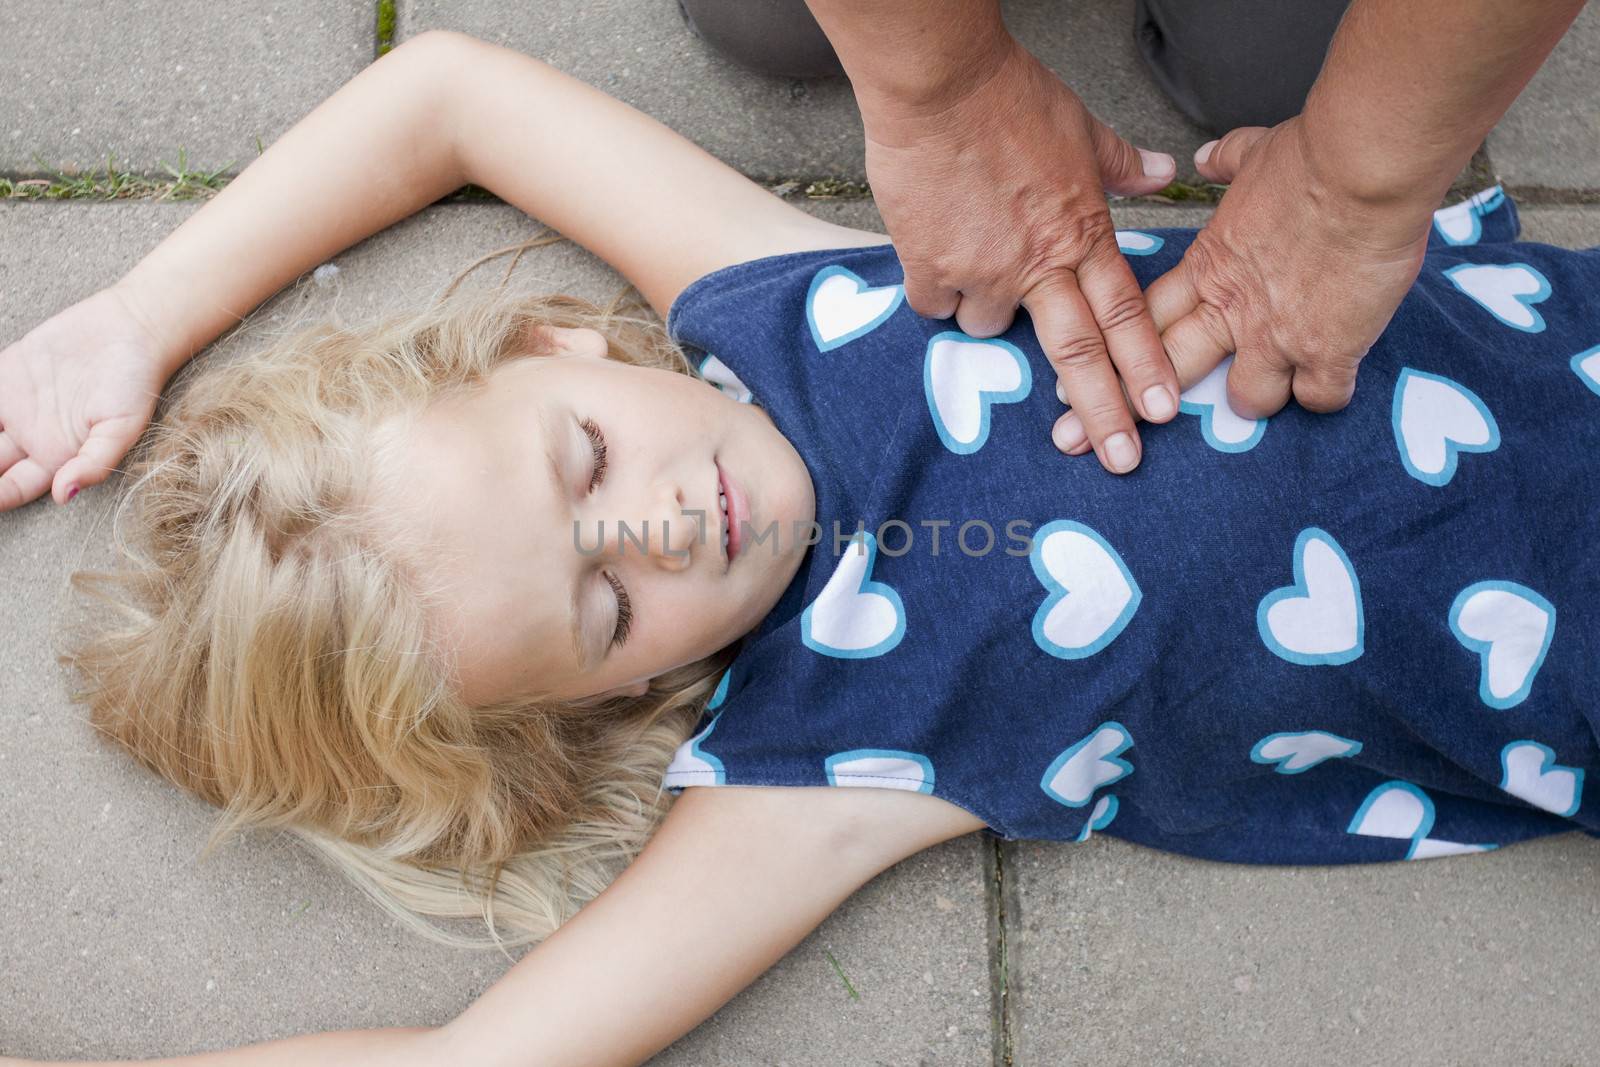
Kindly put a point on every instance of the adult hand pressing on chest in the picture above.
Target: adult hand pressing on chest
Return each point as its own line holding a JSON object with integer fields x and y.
{"x": 991, "y": 177}
{"x": 1326, "y": 222}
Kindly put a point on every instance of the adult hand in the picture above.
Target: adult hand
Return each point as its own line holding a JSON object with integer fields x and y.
{"x": 1294, "y": 276}
{"x": 995, "y": 197}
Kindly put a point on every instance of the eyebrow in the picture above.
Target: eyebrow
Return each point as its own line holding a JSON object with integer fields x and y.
{"x": 560, "y": 486}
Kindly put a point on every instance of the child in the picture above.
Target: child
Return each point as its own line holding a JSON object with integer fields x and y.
{"x": 385, "y": 599}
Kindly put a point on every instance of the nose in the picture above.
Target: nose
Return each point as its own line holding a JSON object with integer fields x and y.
{"x": 664, "y": 535}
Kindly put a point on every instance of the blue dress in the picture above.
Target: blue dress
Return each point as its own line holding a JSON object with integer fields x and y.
{"x": 1372, "y": 635}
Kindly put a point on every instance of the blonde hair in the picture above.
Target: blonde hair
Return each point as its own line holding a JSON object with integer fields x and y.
{"x": 262, "y": 644}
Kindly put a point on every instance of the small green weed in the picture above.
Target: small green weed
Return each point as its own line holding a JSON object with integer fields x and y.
{"x": 112, "y": 183}
{"x": 840, "y": 972}
{"x": 386, "y": 21}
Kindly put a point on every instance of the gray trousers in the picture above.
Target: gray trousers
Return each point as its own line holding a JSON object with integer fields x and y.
{"x": 1225, "y": 63}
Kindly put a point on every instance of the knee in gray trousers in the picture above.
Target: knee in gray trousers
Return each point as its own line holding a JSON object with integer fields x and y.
{"x": 1224, "y": 63}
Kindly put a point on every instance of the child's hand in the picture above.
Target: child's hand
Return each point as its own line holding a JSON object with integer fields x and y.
{"x": 75, "y": 393}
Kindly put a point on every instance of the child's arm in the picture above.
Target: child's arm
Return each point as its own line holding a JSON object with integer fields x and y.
{"x": 374, "y": 152}
{"x": 651, "y": 203}
{"x": 441, "y": 111}
{"x": 734, "y": 878}
{"x": 732, "y": 881}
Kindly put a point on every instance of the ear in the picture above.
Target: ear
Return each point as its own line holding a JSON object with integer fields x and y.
{"x": 576, "y": 341}
{"x": 633, "y": 689}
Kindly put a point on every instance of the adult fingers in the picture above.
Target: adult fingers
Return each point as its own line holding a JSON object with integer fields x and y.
{"x": 1319, "y": 387}
{"x": 1197, "y": 342}
{"x": 1126, "y": 170}
{"x": 1113, "y": 294}
{"x": 1221, "y": 160}
{"x": 1259, "y": 382}
{"x": 930, "y": 299}
{"x": 1171, "y": 296}
{"x": 1072, "y": 341}
{"x": 982, "y": 314}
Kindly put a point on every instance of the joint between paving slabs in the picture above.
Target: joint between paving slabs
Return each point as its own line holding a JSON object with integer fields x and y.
{"x": 384, "y": 24}
{"x": 1001, "y": 914}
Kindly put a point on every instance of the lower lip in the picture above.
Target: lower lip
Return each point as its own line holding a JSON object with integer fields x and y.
{"x": 738, "y": 512}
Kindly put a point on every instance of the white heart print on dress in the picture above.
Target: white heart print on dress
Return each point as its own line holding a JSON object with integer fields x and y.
{"x": 1586, "y": 365}
{"x": 1139, "y": 243}
{"x": 840, "y": 306}
{"x": 1297, "y": 752}
{"x": 721, "y": 375}
{"x": 1510, "y": 627}
{"x": 1507, "y": 291}
{"x": 880, "y": 768}
{"x": 692, "y": 765}
{"x": 1105, "y": 809}
{"x": 1091, "y": 594}
{"x": 1317, "y": 621}
{"x": 1462, "y": 224}
{"x": 1434, "y": 419}
{"x": 1402, "y": 811}
{"x": 1530, "y": 772}
{"x": 1073, "y": 776}
{"x": 962, "y": 378}
{"x": 1219, "y": 425}
{"x": 854, "y": 617}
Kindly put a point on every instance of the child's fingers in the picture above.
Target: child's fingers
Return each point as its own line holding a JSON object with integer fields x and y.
{"x": 23, "y": 481}
{"x": 108, "y": 442}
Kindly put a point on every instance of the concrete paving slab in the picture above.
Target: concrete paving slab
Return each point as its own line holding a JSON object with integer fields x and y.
{"x": 1121, "y": 954}
{"x": 117, "y": 943}
{"x": 1570, "y": 226}
{"x": 1550, "y": 136}
{"x": 141, "y": 79}
{"x": 768, "y": 127}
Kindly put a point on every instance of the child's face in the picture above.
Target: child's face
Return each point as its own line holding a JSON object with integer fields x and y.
{"x": 501, "y": 477}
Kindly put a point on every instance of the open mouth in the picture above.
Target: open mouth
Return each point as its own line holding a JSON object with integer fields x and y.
{"x": 731, "y": 503}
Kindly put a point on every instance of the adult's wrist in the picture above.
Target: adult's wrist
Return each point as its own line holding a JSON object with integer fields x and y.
{"x": 941, "y": 104}
{"x": 914, "y": 58}
{"x": 1365, "y": 177}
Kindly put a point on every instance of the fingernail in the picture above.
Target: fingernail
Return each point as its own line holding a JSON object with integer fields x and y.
{"x": 1157, "y": 402}
{"x": 1121, "y": 452}
{"x": 1068, "y": 433}
{"x": 1157, "y": 164}
{"x": 72, "y": 493}
{"x": 1203, "y": 153}
{"x": 1061, "y": 391}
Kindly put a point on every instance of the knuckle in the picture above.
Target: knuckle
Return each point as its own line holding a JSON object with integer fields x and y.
{"x": 1077, "y": 352}
{"x": 1121, "y": 312}
{"x": 1323, "y": 392}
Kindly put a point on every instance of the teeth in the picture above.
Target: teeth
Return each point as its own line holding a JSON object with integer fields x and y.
{"x": 722, "y": 502}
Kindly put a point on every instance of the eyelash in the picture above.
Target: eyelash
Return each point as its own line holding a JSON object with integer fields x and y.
{"x": 597, "y": 441}
{"x": 624, "y": 612}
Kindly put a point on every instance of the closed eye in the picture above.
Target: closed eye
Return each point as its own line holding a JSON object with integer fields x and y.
{"x": 597, "y": 441}
{"x": 624, "y": 612}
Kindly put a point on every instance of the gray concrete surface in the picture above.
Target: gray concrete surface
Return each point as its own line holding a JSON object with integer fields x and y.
{"x": 1121, "y": 954}
{"x": 1550, "y": 137}
{"x": 142, "y": 79}
{"x": 780, "y": 127}
{"x": 116, "y": 942}
{"x": 139, "y": 82}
